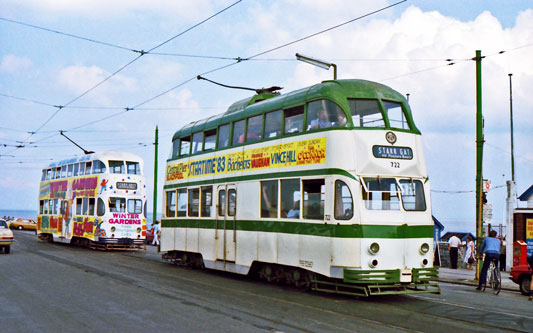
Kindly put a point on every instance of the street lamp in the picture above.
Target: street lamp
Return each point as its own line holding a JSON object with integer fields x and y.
{"x": 318, "y": 63}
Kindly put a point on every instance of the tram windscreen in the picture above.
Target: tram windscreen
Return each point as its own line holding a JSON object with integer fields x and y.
{"x": 413, "y": 195}
{"x": 381, "y": 194}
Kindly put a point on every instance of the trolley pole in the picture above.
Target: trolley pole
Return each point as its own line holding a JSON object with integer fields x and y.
{"x": 154, "y": 207}
{"x": 479, "y": 159}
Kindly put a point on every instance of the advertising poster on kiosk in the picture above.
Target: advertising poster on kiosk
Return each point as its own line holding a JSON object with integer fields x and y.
{"x": 529, "y": 237}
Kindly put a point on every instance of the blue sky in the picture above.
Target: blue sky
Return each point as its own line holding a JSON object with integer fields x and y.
{"x": 404, "y": 47}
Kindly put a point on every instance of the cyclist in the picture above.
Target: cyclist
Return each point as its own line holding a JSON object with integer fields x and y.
{"x": 491, "y": 248}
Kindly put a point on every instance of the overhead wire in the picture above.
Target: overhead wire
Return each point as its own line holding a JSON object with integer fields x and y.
{"x": 67, "y": 34}
{"x": 141, "y": 53}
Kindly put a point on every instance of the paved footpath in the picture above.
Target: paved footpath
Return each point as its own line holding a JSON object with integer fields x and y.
{"x": 466, "y": 277}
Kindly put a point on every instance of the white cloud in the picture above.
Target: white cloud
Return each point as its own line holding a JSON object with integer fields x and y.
{"x": 11, "y": 64}
{"x": 79, "y": 79}
{"x": 185, "y": 10}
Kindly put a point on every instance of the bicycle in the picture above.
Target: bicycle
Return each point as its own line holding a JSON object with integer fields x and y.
{"x": 494, "y": 278}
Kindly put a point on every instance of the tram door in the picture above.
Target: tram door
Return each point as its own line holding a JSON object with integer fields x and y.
{"x": 226, "y": 226}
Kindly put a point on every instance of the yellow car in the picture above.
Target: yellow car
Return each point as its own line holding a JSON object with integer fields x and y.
{"x": 23, "y": 224}
{"x": 6, "y": 237}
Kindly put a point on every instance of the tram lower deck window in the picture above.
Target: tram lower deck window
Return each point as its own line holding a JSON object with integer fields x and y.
{"x": 381, "y": 194}
{"x": 269, "y": 198}
{"x": 135, "y": 206}
{"x": 194, "y": 202}
{"x": 413, "y": 195}
{"x": 117, "y": 205}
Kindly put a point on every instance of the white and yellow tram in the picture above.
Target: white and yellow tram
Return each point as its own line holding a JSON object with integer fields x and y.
{"x": 97, "y": 200}
{"x": 325, "y": 187}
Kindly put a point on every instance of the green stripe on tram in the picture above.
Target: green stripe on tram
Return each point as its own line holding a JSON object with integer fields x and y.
{"x": 288, "y": 174}
{"x": 310, "y": 229}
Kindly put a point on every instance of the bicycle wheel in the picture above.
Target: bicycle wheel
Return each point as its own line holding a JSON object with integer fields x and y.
{"x": 491, "y": 276}
{"x": 497, "y": 284}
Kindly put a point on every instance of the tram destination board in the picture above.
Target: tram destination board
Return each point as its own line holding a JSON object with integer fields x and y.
{"x": 126, "y": 186}
{"x": 401, "y": 153}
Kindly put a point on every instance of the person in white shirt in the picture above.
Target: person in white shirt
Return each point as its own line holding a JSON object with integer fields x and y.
{"x": 157, "y": 232}
{"x": 453, "y": 248}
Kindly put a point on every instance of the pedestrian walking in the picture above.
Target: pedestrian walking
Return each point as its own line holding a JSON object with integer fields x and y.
{"x": 156, "y": 229}
{"x": 469, "y": 253}
{"x": 453, "y": 248}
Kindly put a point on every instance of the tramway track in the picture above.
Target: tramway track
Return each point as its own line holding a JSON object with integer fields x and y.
{"x": 168, "y": 281}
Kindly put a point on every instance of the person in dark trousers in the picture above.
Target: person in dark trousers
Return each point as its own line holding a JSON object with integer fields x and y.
{"x": 491, "y": 247}
{"x": 453, "y": 246}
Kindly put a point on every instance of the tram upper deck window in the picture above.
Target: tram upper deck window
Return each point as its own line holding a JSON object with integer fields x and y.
{"x": 116, "y": 166}
{"x": 117, "y": 205}
{"x": 185, "y": 146}
{"x": 70, "y": 170}
{"x": 88, "y": 166}
{"x": 255, "y": 128}
{"x": 223, "y": 136}
{"x": 366, "y": 113}
{"x": 64, "y": 171}
{"x": 381, "y": 194}
{"x": 210, "y": 140}
{"x": 238, "y": 132}
{"x": 82, "y": 169}
{"x": 313, "y": 195}
{"x": 43, "y": 175}
{"x": 395, "y": 114}
{"x": 58, "y": 173}
{"x": 76, "y": 169}
{"x": 197, "y": 140}
{"x": 413, "y": 195}
{"x": 273, "y": 124}
{"x": 294, "y": 119}
{"x": 324, "y": 114}
{"x": 175, "y": 148}
{"x": 133, "y": 168}
{"x": 98, "y": 167}
{"x": 48, "y": 174}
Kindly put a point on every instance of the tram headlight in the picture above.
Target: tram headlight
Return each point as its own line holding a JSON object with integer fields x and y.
{"x": 373, "y": 263}
{"x": 138, "y": 230}
{"x": 113, "y": 229}
{"x": 373, "y": 248}
{"x": 424, "y": 248}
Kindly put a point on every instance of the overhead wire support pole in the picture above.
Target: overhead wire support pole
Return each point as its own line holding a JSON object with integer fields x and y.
{"x": 509, "y": 237}
{"x": 154, "y": 205}
{"x": 479, "y": 158}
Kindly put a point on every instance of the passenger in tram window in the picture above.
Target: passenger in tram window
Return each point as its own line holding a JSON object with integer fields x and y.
{"x": 322, "y": 121}
{"x": 294, "y": 212}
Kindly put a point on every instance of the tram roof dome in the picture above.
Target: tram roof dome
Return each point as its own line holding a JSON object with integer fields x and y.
{"x": 256, "y": 104}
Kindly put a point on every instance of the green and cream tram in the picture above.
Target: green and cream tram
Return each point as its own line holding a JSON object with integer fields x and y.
{"x": 325, "y": 187}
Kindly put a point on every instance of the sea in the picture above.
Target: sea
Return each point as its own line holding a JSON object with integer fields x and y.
{"x": 32, "y": 214}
